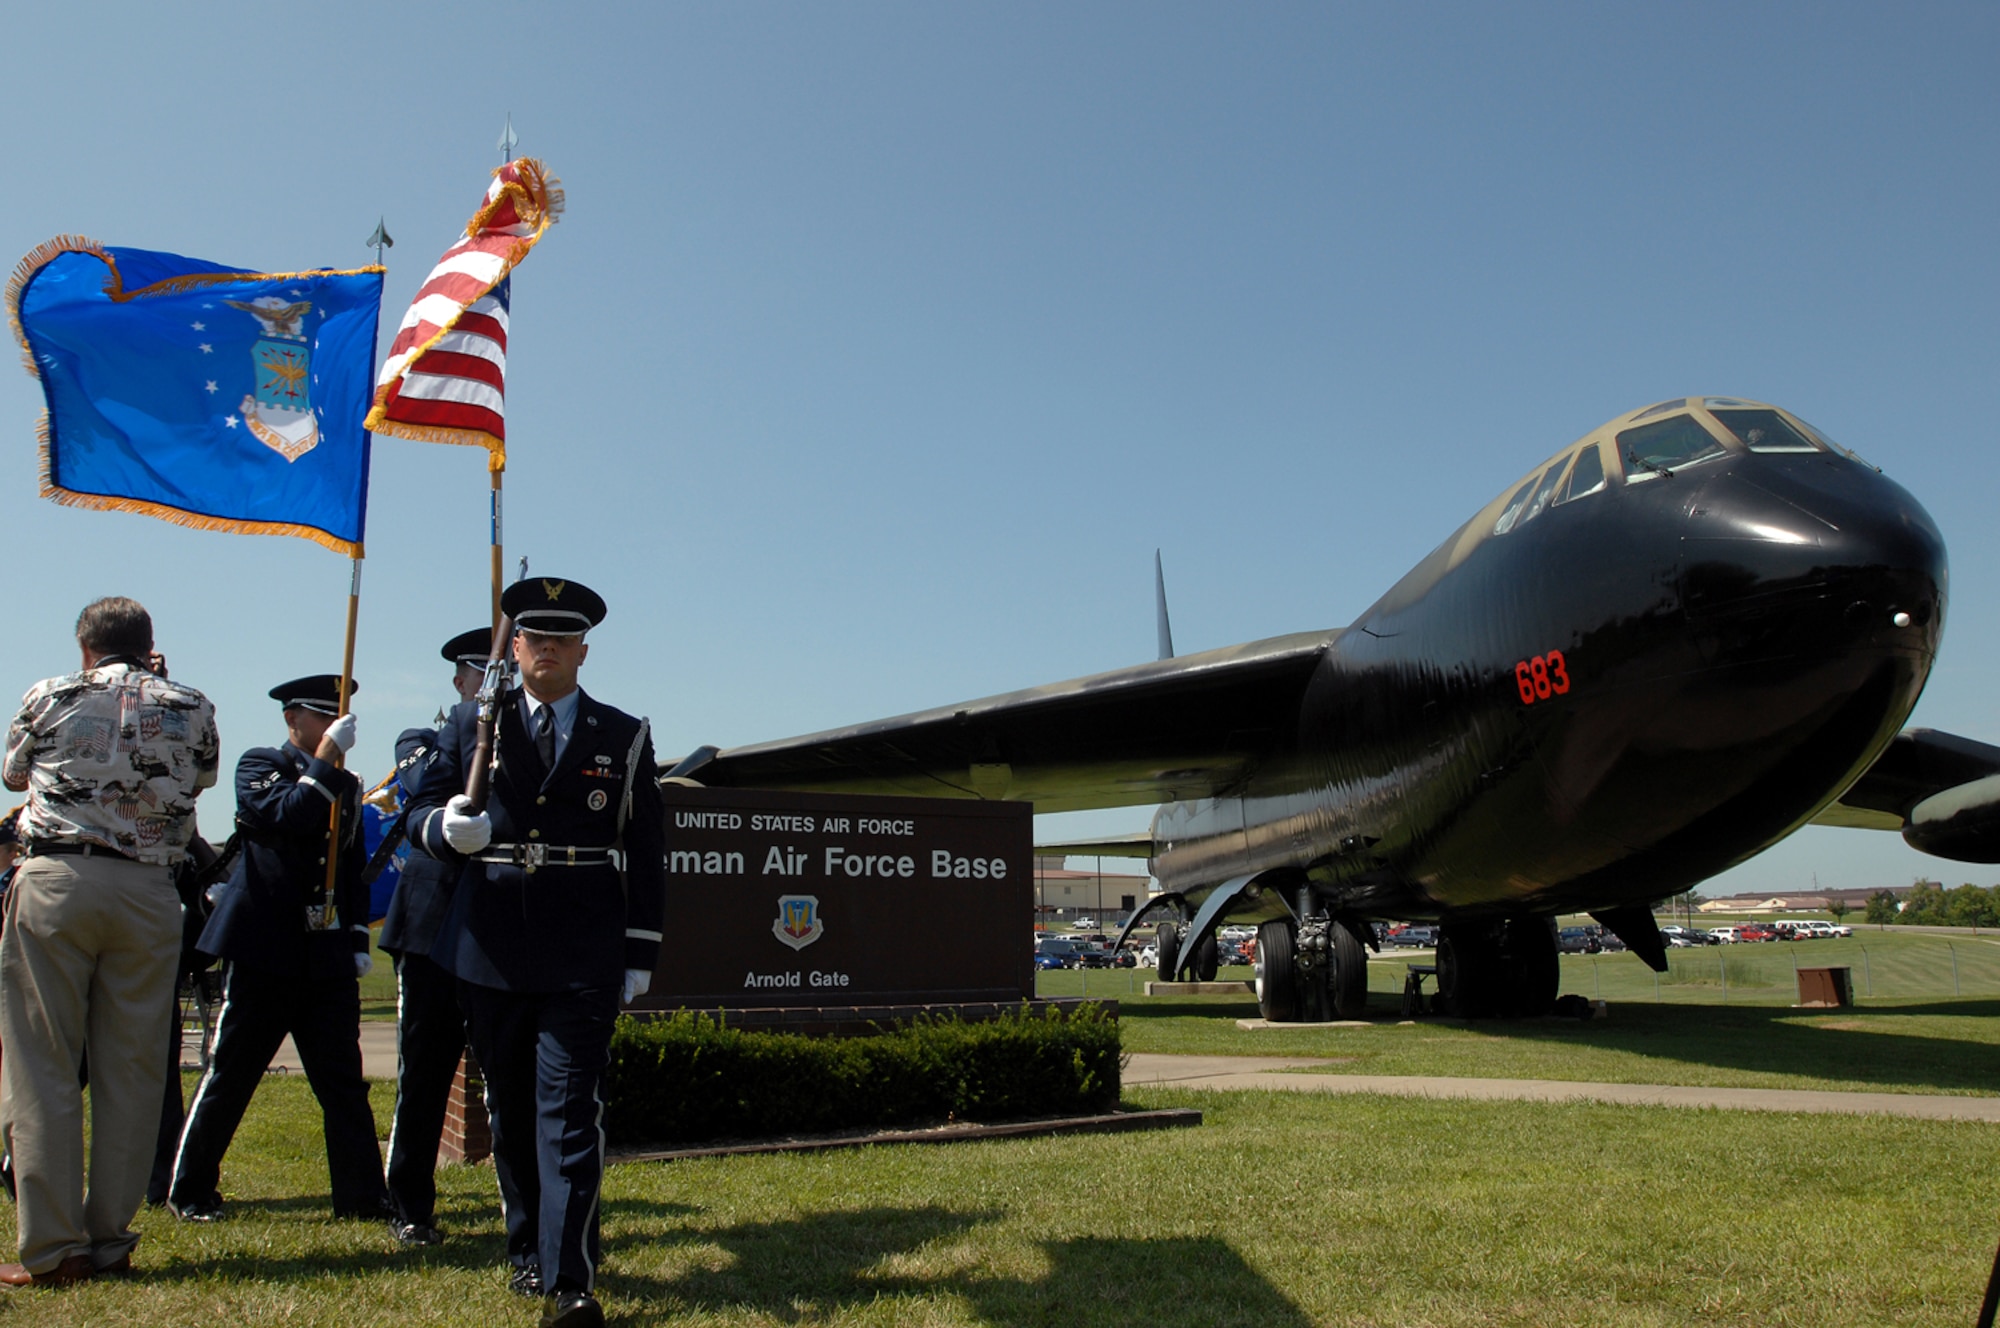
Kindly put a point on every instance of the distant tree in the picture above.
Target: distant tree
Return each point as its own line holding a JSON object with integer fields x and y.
{"x": 1924, "y": 906}
{"x": 1971, "y": 906}
{"x": 1839, "y": 908}
{"x": 1881, "y": 907}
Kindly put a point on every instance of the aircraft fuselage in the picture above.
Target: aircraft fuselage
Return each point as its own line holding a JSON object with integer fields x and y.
{"x": 1595, "y": 702}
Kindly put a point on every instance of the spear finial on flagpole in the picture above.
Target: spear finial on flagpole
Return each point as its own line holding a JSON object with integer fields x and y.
{"x": 379, "y": 239}
{"x": 508, "y": 141}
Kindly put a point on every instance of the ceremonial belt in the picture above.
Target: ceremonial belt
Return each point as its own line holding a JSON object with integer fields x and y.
{"x": 532, "y": 856}
{"x": 45, "y": 848}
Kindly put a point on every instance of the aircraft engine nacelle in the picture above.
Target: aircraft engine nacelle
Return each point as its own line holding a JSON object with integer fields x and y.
{"x": 1962, "y": 823}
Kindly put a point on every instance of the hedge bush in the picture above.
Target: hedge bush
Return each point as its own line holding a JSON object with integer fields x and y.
{"x": 689, "y": 1078}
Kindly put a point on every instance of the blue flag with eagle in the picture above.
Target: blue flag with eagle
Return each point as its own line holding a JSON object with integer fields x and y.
{"x": 209, "y": 396}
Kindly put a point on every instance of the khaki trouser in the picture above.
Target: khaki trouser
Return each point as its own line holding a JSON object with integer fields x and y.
{"x": 87, "y": 960}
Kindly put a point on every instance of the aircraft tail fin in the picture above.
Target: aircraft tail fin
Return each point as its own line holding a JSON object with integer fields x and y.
{"x": 1160, "y": 601}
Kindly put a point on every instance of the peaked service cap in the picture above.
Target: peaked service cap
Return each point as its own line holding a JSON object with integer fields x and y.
{"x": 318, "y": 692}
{"x": 474, "y": 647}
{"x": 551, "y": 607}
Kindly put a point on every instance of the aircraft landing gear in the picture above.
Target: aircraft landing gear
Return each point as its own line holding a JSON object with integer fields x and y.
{"x": 1277, "y": 974}
{"x": 1207, "y": 959}
{"x": 1501, "y": 968}
{"x": 1310, "y": 973}
{"x": 1167, "y": 941}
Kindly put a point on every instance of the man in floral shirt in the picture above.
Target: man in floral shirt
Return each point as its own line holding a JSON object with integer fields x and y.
{"x": 111, "y": 758}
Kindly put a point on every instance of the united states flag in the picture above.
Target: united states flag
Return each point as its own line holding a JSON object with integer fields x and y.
{"x": 446, "y": 377}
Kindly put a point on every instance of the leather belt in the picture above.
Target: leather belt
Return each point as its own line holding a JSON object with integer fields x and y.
{"x": 61, "y": 848}
{"x": 533, "y": 856}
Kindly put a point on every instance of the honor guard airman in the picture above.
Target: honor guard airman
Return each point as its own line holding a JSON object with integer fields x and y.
{"x": 294, "y": 955}
{"x": 430, "y": 1027}
{"x": 555, "y": 921}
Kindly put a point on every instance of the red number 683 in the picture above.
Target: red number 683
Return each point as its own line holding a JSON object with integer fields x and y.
{"x": 1541, "y": 677}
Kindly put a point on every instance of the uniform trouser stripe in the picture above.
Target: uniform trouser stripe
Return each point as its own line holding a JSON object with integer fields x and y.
{"x": 430, "y": 1040}
{"x": 544, "y": 1055}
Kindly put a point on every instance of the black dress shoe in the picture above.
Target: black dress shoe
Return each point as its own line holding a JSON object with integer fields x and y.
{"x": 526, "y": 1282}
{"x": 571, "y": 1309}
{"x": 199, "y": 1210}
{"x": 415, "y": 1233}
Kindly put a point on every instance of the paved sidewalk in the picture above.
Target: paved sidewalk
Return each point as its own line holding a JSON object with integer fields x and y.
{"x": 1281, "y": 1073}
{"x": 378, "y": 1051}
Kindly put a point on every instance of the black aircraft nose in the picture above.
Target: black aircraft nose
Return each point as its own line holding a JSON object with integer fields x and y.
{"x": 1786, "y": 551}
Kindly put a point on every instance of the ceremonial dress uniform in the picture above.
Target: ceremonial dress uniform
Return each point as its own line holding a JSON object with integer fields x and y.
{"x": 550, "y": 919}
{"x": 293, "y": 959}
{"x": 430, "y": 1027}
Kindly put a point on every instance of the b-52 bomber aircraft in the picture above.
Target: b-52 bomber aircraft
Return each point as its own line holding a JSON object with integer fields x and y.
{"x": 1682, "y": 637}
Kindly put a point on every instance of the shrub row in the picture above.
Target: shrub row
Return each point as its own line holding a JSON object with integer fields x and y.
{"x": 688, "y": 1078}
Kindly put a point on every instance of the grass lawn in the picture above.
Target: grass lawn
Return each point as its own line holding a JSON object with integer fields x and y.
{"x": 1282, "y": 1210}
{"x": 1921, "y": 1040}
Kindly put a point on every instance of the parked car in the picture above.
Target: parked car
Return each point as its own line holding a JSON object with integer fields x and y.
{"x": 1756, "y": 931}
{"x": 1727, "y": 934}
{"x": 1412, "y": 938}
{"x": 1577, "y": 940}
{"x": 1057, "y": 952}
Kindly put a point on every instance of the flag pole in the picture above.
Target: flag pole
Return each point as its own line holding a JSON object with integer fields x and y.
{"x": 340, "y": 758}
{"x": 378, "y": 240}
{"x": 497, "y": 468}
{"x": 497, "y": 471}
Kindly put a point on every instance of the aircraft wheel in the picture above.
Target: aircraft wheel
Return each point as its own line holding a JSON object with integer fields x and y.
{"x": 1350, "y": 974}
{"x": 1534, "y": 967}
{"x": 1207, "y": 958}
{"x": 1277, "y": 975}
{"x": 1167, "y": 940}
{"x": 1466, "y": 964}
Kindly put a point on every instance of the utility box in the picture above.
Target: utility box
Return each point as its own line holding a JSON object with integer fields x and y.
{"x": 1826, "y": 987}
{"x": 812, "y": 900}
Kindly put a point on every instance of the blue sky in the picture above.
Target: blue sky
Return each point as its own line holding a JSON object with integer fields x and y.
{"x": 882, "y": 344}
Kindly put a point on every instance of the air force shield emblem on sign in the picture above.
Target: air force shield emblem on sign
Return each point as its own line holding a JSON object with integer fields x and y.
{"x": 798, "y": 923}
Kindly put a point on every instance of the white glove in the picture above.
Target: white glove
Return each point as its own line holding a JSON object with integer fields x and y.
{"x": 467, "y": 834}
{"x": 341, "y": 733}
{"x": 364, "y": 963}
{"x": 637, "y": 982}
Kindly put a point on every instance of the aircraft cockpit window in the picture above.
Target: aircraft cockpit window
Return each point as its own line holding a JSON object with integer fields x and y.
{"x": 1657, "y": 449}
{"x": 1832, "y": 446}
{"x": 1763, "y": 430}
{"x": 1511, "y": 513}
{"x": 1586, "y": 476}
{"x": 1542, "y": 491}
{"x": 1661, "y": 409}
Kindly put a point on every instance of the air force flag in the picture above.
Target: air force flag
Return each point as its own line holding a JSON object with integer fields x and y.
{"x": 205, "y": 395}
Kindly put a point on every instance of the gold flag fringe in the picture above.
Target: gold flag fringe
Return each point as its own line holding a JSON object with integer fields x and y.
{"x": 24, "y": 272}
{"x": 114, "y": 285}
{"x": 537, "y": 196}
{"x": 496, "y": 450}
{"x": 176, "y": 515}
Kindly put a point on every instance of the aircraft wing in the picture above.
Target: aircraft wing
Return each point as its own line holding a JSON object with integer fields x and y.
{"x": 1174, "y": 728}
{"x": 1942, "y": 791}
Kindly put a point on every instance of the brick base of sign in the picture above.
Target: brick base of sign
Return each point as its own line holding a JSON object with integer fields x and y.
{"x": 862, "y": 1020}
{"x": 467, "y": 1136}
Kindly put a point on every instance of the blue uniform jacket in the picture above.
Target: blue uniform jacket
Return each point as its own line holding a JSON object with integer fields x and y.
{"x": 283, "y": 800}
{"x": 424, "y": 888}
{"x": 555, "y": 928}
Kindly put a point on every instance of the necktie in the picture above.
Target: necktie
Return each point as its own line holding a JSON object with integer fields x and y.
{"x": 545, "y": 737}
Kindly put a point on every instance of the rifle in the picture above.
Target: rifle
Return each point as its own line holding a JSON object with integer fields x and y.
{"x": 485, "y": 753}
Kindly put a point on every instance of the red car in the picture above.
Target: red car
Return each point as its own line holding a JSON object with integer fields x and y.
{"x": 1757, "y": 931}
